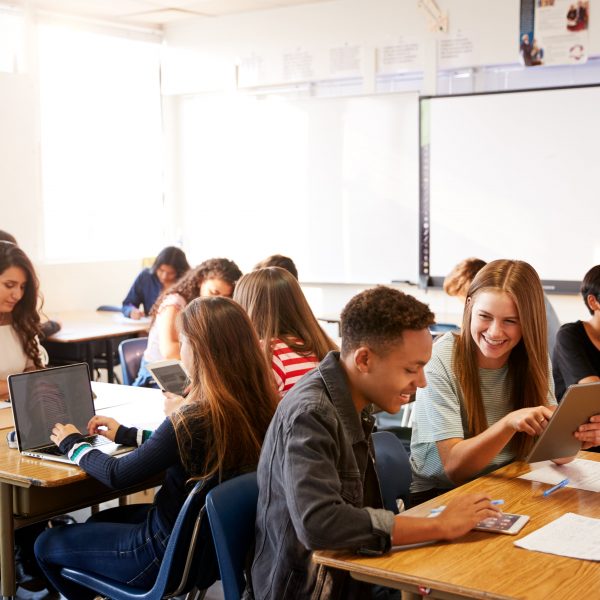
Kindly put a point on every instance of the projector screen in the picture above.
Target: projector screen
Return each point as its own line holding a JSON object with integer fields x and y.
{"x": 512, "y": 175}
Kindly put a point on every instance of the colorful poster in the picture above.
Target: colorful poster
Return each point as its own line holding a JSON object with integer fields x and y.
{"x": 554, "y": 32}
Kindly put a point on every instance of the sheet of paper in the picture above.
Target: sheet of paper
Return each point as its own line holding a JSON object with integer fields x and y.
{"x": 582, "y": 474}
{"x": 4, "y": 404}
{"x": 123, "y": 320}
{"x": 570, "y": 535}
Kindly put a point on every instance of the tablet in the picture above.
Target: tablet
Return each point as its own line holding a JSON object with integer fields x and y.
{"x": 503, "y": 523}
{"x": 580, "y": 402}
{"x": 169, "y": 375}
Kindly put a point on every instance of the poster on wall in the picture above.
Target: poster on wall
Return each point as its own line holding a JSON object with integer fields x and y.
{"x": 554, "y": 32}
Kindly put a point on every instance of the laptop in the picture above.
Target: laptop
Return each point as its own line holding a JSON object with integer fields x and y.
{"x": 580, "y": 402}
{"x": 40, "y": 399}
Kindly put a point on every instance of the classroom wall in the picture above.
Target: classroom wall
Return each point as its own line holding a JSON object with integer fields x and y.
{"x": 201, "y": 56}
{"x": 210, "y": 48}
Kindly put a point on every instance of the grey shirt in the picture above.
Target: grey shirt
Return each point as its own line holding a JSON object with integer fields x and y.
{"x": 316, "y": 477}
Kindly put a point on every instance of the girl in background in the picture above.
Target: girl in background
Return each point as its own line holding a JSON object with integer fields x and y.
{"x": 293, "y": 341}
{"x": 169, "y": 266}
{"x": 217, "y": 431}
{"x": 213, "y": 277}
{"x": 19, "y": 318}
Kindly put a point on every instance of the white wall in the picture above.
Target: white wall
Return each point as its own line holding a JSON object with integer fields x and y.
{"x": 202, "y": 56}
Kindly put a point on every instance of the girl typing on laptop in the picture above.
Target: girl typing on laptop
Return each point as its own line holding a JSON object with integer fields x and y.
{"x": 218, "y": 429}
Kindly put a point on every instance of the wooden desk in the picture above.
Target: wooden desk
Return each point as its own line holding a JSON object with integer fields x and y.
{"x": 86, "y": 334}
{"x": 486, "y": 565}
{"x": 34, "y": 490}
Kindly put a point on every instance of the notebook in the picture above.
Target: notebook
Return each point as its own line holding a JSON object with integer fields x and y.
{"x": 40, "y": 399}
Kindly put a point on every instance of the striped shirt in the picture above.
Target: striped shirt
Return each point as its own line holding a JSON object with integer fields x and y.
{"x": 289, "y": 366}
{"x": 437, "y": 415}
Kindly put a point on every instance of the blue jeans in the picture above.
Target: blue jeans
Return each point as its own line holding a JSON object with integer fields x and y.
{"x": 144, "y": 377}
{"x": 124, "y": 544}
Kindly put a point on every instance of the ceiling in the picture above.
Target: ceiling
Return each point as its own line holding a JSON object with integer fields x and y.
{"x": 159, "y": 12}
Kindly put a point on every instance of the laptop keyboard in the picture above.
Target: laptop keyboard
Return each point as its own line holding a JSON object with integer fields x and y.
{"x": 93, "y": 440}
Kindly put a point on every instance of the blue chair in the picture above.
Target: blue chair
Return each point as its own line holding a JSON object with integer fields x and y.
{"x": 393, "y": 469}
{"x": 130, "y": 357}
{"x": 231, "y": 509}
{"x": 189, "y": 563}
{"x": 440, "y": 328}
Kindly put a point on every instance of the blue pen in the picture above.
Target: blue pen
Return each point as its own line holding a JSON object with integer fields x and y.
{"x": 556, "y": 487}
{"x": 497, "y": 502}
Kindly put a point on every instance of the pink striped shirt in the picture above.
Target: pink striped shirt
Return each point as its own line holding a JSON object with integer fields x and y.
{"x": 289, "y": 366}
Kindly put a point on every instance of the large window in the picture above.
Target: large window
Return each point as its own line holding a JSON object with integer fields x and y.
{"x": 101, "y": 145}
{"x": 11, "y": 40}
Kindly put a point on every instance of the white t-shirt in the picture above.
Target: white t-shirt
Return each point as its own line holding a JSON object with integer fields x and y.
{"x": 152, "y": 353}
{"x": 12, "y": 356}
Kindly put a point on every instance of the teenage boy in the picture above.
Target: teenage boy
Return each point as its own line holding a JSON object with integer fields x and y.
{"x": 317, "y": 481}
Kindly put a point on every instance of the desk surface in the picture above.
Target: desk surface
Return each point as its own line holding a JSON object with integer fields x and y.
{"x": 142, "y": 407}
{"x": 486, "y": 565}
{"x": 83, "y": 326}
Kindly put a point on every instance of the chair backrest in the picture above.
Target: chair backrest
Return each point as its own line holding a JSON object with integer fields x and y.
{"x": 393, "y": 468}
{"x": 231, "y": 509}
{"x": 130, "y": 357}
{"x": 109, "y": 308}
{"x": 189, "y": 561}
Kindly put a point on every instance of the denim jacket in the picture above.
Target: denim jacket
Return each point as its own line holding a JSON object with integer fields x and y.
{"x": 316, "y": 476}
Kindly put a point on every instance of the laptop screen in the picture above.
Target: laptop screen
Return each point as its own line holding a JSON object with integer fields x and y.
{"x": 42, "y": 398}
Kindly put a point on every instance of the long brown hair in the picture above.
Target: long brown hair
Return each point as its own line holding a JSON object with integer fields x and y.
{"x": 232, "y": 398}
{"x": 278, "y": 309}
{"x": 189, "y": 285}
{"x": 25, "y": 316}
{"x": 528, "y": 360}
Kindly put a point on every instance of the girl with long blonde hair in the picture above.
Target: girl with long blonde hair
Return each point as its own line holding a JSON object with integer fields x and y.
{"x": 489, "y": 388}
{"x": 292, "y": 339}
{"x": 216, "y": 433}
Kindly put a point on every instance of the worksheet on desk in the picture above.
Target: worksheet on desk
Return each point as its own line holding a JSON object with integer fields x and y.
{"x": 570, "y": 535}
{"x": 582, "y": 474}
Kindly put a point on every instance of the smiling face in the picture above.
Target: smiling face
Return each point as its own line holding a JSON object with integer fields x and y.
{"x": 389, "y": 379}
{"x": 495, "y": 328}
{"x": 12, "y": 287}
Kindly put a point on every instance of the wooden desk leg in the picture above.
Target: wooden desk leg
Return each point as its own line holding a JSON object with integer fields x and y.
{"x": 7, "y": 543}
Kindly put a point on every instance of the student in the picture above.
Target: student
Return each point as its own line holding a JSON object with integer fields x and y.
{"x": 278, "y": 260}
{"x": 576, "y": 356}
{"x": 19, "y": 318}
{"x": 457, "y": 282}
{"x": 294, "y": 342}
{"x": 213, "y": 277}
{"x": 489, "y": 387}
{"x": 169, "y": 266}
{"x": 217, "y": 431}
{"x": 459, "y": 279}
{"x": 318, "y": 488}
{"x": 47, "y": 328}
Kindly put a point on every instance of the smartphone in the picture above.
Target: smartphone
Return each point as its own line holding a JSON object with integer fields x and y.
{"x": 169, "y": 375}
{"x": 503, "y": 523}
